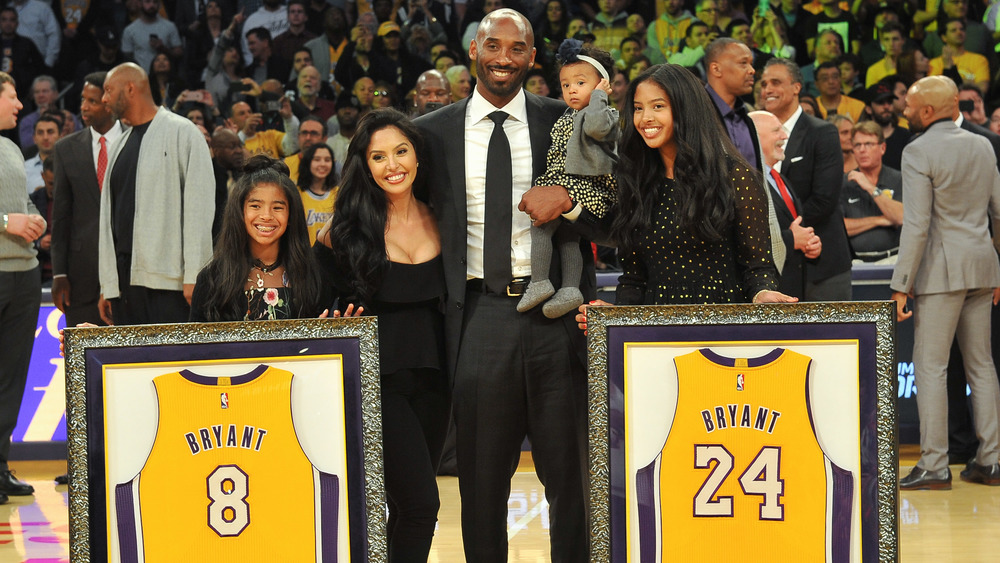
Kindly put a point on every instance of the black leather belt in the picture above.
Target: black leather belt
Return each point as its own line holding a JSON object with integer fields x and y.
{"x": 876, "y": 256}
{"x": 515, "y": 288}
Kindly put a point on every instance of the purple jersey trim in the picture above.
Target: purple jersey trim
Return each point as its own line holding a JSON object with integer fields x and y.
{"x": 646, "y": 497}
{"x": 329, "y": 510}
{"x": 128, "y": 546}
{"x": 751, "y": 362}
{"x": 843, "y": 503}
{"x": 214, "y": 381}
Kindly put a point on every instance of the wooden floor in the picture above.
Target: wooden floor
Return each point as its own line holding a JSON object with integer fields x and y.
{"x": 935, "y": 526}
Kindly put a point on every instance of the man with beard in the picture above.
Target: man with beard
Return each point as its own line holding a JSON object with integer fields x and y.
{"x": 308, "y": 102}
{"x": 273, "y": 17}
{"x": 814, "y": 167}
{"x": 348, "y": 113}
{"x": 949, "y": 266}
{"x": 881, "y": 100}
{"x": 514, "y": 375}
{"x": 149, "y": 35}
{"x": 328, "y": 48}
{"x": 159, "y": 177}
{"x": 432, "y": 92}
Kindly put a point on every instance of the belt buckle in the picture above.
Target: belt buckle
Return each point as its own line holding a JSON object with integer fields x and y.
{"x": 522, "y": 282}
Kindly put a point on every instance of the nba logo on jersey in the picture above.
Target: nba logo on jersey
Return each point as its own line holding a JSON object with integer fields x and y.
{"x": 224, "y": 400}
{"x": 739, "y": 382}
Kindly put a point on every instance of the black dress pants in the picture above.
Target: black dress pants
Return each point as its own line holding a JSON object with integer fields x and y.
{"x": 20, "y": 297}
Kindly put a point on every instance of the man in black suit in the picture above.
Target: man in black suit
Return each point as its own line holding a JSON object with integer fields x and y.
{"x": 802, "y": 242}
{"x": 76, "y": 207}
{"x": 814, "y": 167}
{"x": 514, "y": 374}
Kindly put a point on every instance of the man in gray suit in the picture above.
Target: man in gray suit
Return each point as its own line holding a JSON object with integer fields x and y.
{"x": 947, "y": 263}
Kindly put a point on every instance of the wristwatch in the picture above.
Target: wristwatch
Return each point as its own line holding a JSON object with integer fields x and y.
{"x": 879, "y": 192}
{"x": 5, "y": 221}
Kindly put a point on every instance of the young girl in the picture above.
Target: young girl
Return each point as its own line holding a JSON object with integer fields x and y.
{"x": 581, "y": 159}
{"x": 263, "y": 268}
{"x": 317, "y": 183}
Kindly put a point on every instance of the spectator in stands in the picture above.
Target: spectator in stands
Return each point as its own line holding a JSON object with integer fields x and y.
{"x": 348, "y": 113}
{"x": 433, "y": 92}
{"x": 170, "y": 196}
{"x": 740, "y": 31}
{"x": 400, "y": 68}
{"x": 913, "y": 64}
{"x": 20, "y": 286}
{"x": 19, "y": 54}
{"x": 628, "y": 50}
{"x": 669, "y": 30}
{"x": 609, "y": 26}
{"x": 42, "y": 199}
{"x": 271, "y": 16}
{"x": 814, "y": 167}
{"x": 850, "y": 73}
{"x": 285, "y": 44}
{"x": 44, "y": 92}
{"x": 445, "y": 60}
{"x": 357, "y": 60}
{"x": 828, "y": 47}
{"x": 473, "y": 16}
{"x": 550, "y": 31}
{"x": 165, "y": 81}
{"x": 308, "y": 100}
{"x": 977, "y": 37}
{"x": 639, "y": 66}
{"x": 48, "y": 130}
{"x": 270, "y": 141}
{"x": 38, "y": 23}
{"x": 385, "y": 95}
{"x": 200, "y": 40}
{"x": 844, "y": 127}
{"x": 891, "y": 38}
{"x": 536, "y": 83}
{"x": 619, "y": 87}
{"x": 872, "y": 49}
{"x": 264, "y": 64}
{"x": 150, "y": 34}
{"x": 364, "y": 91}
{"x": 872, "y": 199}
{"x": 329, "y": 47}
{"x": 312, "y": 130}
{"x": 995, "y": 120}
{"x": 977, "y": 114}
{"x": 972, "y": 67}
{"x": 841, "y": 21}
{"x": 228, "y": 156}
{"x": 708, "y": 12}
{"x": 225, "y": 75}
{"x": 830, "y": 99}
{"x": 695, "y": 41}
{"x": 317, "y": 185}
{"x": 769, "y": 34}
{"x": 461, "y": 82}
{"x": 881, "y": 110}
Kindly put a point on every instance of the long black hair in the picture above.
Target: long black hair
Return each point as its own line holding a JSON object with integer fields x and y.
{"x": 226, "y": 273}
{"x": 357, "y": 233}
{"x": 305, "y": 168}
{"x": 703, "y": 189}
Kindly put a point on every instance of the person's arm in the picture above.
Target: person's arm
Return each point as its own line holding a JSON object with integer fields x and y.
{"x": 290, "y": 141}
{"x": 687, "y": 57}
{"x": 600, "y": 120}
{"x": 53, "y": 37}
{"x": 632, "y": 283}
{"x": 198, "y": 207}
{"x": 753, "y": 243}
{"x": 856, "y": 226}
{"x": 928, "y": 14}
{"x": 891, "y": 209}
{"x": 62, "y": 219}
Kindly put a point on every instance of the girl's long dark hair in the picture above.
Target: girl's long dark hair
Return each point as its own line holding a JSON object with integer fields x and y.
{"x": 305, "y": 168}
{"x": 357, "y": 233}
{"x": 226, "y": 273}
{"x": 703, "y": 187}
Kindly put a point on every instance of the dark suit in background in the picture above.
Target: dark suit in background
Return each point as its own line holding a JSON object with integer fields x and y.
{"x": 814, "y": 167}
{"x": 75, "y": 216}
{"x": 513, "y": 374}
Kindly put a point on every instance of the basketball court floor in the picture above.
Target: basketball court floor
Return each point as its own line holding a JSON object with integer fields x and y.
{"x": 934, "y": 526}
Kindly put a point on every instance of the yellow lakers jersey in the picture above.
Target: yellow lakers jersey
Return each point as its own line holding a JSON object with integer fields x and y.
{"x": 741, "y": 475}
{"x": 226, "y": 476}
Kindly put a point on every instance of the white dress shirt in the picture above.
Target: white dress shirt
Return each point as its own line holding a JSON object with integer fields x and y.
{"x": 112, "y": 135}
{"x": 478, "y": 129}
{"x": 788, "y": 126}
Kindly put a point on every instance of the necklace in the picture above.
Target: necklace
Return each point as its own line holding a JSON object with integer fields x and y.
{"x": 267, "y": 269}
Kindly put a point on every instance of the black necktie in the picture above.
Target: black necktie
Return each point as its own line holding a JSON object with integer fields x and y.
{"x": 499, "y": 185}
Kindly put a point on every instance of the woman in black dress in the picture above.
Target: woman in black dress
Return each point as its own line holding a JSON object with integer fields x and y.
{"x": 691, "y": 215}
{"x": 386, "y": 256}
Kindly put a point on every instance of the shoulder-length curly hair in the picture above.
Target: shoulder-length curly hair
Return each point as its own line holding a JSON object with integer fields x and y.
{"x": 703, "y": 191}
{"x": 305, "y": 170}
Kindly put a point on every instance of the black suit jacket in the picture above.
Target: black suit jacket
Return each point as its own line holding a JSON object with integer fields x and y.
{"x": 792, "y": 280}
{"x": 76, "y": 210}
{"x": 814, "y": 168}
{"x": 444, "y": 135}
{"x": 993, "y": 138}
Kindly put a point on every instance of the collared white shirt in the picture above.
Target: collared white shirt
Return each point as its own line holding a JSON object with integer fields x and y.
{"x": 478, "y": 129}
{"x": 788, "y": 126}
{"x": 33, "y": 171}
{"x": 112, "y": 135}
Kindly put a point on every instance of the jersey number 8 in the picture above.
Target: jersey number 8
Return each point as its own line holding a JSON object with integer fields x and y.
{"x": 229, "y": 512}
